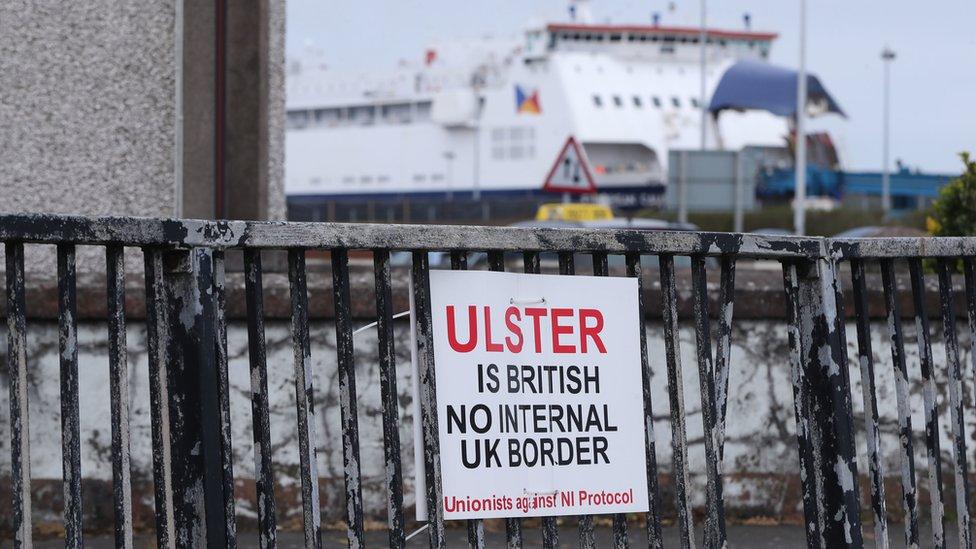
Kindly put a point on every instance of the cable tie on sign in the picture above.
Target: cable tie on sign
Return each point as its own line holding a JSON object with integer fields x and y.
{"x": 552, "y": 493}
{"x": 417, "y": 531}
{"x": 373, "y": 324}
{"x": 513, "y": 301}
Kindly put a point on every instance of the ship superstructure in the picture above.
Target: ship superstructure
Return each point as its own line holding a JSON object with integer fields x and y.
{"x": 490, "y": 116}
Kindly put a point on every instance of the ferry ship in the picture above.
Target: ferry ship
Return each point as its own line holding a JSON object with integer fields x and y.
{"x": 482, "y": 122}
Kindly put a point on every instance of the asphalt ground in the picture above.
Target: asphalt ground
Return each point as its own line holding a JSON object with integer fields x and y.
{"x": 759, "y": 537}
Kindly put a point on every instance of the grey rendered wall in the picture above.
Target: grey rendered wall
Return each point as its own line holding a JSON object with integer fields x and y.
{"x": 87, "y": 107}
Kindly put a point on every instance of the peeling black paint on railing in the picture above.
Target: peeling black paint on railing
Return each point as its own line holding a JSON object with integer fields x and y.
{"x": 654, "y": 534}
{"x": 70, "y": 429}
{"x": 257, "y": 353}
{"x": 714, "y": 504}
{"x": 192, "y": 449}
{"x": 304, "y": 399}
{"x": 956, "y": 412}
{"x": 347, "y": 398}
{"x": 19, "y": 416}
{"x": 388, "y": 395}
{"x": 930, "y": 405}
{"x": 679, "y": 438}
{"x": 119, "y": 395}
{"x": 895, "y": 332}
{"x": 869, "y": 394}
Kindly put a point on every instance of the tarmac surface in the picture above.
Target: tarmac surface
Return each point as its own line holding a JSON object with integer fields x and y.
{"x": 759, "y": 537}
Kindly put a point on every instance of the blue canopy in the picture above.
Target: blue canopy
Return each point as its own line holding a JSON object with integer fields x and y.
{"x": 753, "y": 84}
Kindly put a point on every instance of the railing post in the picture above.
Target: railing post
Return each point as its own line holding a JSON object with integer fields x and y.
{"x": 823, "y": 361}
{"x": 194, "y": 406}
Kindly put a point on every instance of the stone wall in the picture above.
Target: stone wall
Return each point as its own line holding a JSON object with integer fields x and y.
{"x": 760, "y": 460}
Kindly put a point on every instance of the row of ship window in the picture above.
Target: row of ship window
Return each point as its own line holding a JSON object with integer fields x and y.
{"x": 368, "y": 179}
{"x": 638, "y": 101}
{"x": 396, "y": 113}
{"x": 617, "y": 37}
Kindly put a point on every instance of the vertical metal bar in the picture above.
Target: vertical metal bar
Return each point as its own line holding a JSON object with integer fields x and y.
{"x": 715, "y": 518}
{"x": 957, "y": 417}
{"x": 927, "y": 366}
{"x": 226, "y": 446}
{"x": 347, "y": 397}
{"x": 201, "y": 359}
{"x": 157, "y": 333}
{"x": 476, "y": 527}
{"x": 908, "y": 489}
{"x": 428, "y": 398}
{"x": 654, "y": 533}
{"x": 550, "y": 529}
{"x": 869, "y": 394}
{"x": 70, "y": 437}
{"x": 119, "y": 390}
{"x": 253, "y": 294}
{"x": 805, "y": 431}
{"x": 824, "y": 358}
{"x": 723, "y": 349}
{"x": 601, "y": 267}
{"x": 197, "y": 475}
{"x": 19, "y": 415}
{"x": 304, "y": 399}
{"x": 679, "y": 438}
{"x": 388, "y": 395}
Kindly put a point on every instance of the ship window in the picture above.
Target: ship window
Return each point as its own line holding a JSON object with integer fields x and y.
{"x": 398, "y": 113}
{"x": 695, "y": 103}
{"x": 348, "y": 180}
{"x": 297, "y": 119}
{"x": 419, "y": 178}
{"x": 597, "y": 101}
{"x": 676, "y": 102}
{"x": 363, "y": 115}
{"x": 667, "y": 49}
{"x": 498, "y": 153}
{"x": 366, "y": 179}
{"x": 437, "y": 177}
{"x": 617, "y": 102}
{"x": 657, "y": 101}
{"x": 515, "y": 152}
{"x": 615, "y": 38}
{"x": 327, "y": 117}
{"x": 423, "y": 110}
{"x": 383, "y": 179}
{"x": 637, "y": 101}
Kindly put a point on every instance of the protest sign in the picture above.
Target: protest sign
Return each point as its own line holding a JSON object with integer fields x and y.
{"x": 539, "y": 395}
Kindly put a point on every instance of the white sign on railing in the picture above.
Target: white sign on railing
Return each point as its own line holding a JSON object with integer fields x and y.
{"x": 539, "y": 395}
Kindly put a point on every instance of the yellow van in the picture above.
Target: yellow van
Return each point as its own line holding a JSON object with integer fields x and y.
{"x": 573, "y": 212}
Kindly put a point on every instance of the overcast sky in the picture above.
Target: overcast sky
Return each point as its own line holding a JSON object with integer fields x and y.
{"x": 933, "y": 78}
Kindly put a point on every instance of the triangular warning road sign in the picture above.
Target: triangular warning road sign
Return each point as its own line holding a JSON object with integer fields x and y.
{"x": 571, "y": 172}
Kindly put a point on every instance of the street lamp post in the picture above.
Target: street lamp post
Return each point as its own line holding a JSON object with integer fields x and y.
{"x": 887, "y": 56}
{"x": 703, "y": 42}
{"x": 800, "y": 164}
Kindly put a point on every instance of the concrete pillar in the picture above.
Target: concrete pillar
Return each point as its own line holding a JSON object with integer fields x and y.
{"x": 110, "y": 108}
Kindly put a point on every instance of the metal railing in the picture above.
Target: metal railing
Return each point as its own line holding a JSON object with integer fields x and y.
{"x": 192, "y": 465}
